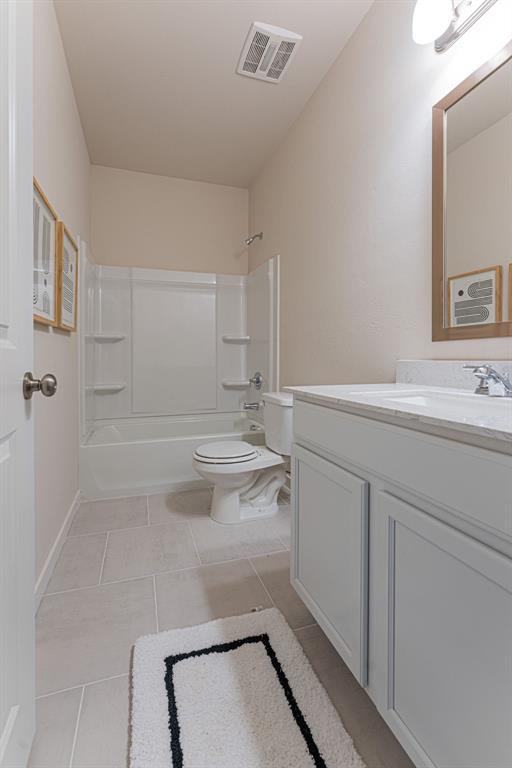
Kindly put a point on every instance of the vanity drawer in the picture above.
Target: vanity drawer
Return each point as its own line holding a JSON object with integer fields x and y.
{"x": 472, "y": 483}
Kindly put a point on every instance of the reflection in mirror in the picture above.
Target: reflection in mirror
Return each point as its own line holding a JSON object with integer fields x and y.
{"x": 478, "y": 204}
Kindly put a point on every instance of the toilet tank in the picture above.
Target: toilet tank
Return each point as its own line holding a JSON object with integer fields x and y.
{"x": 278, "y": 420}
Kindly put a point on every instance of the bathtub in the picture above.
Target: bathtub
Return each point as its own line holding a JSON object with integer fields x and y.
{"x": 142, "y": 456}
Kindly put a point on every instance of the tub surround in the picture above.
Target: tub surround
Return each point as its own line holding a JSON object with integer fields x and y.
{"x": 151, "y": 393}
{"x": 137, "y": 362}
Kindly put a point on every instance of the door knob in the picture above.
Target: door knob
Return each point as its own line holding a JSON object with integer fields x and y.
{"x": 47, "y": 385}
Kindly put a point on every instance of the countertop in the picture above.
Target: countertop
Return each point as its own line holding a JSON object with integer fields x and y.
{"x": 475, "y": 417}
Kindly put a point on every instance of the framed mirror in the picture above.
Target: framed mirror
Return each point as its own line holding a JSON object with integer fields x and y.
{"x": 472, "y": 205}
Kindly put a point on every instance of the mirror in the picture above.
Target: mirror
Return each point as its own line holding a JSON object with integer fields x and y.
{"x": 472, "y": 206}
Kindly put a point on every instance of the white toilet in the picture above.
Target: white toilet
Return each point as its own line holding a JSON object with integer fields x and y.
{"x": 247, "y": 478}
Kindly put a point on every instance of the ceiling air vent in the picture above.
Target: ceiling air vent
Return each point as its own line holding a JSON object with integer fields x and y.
{"x": 267, "y": 52}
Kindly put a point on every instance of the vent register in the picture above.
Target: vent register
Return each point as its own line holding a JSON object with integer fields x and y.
{"x": 267, "y": 52}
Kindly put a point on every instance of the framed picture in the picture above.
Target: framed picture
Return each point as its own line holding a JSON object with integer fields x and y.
{"x": 67, "y": 261}
{"x": 474, "y": 298}
{"x": 45, "y": 287}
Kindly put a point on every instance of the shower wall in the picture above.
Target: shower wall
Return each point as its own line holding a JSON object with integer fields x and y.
{"x": 164, "y": 343}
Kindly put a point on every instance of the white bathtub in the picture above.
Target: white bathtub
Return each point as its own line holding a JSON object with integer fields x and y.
{"x": 138, "y": 456}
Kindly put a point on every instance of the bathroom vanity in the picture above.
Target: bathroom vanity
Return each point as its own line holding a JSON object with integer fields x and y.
{"x": 402, "y": 551}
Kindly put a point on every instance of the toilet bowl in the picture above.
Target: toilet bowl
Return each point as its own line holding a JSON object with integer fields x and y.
{"x": 247, "y": 478}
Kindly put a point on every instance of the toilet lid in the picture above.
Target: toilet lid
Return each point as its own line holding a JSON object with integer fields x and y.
{"x": 226, "y": 452}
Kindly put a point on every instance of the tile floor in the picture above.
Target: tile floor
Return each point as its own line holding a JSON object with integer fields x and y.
{"x": 134, "y": 566}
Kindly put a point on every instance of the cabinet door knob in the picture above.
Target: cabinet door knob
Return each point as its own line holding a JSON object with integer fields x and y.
{"x": 47, "y": 385}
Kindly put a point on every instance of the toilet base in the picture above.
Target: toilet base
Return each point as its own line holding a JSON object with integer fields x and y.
{"x": 257, "y": 499}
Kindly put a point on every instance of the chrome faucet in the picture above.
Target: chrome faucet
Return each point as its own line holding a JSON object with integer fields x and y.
{"x": 490, "y": 381}
{"x": 251, "y": 406}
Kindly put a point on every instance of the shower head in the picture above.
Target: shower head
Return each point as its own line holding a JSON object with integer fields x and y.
{"x": 252, "y": 238}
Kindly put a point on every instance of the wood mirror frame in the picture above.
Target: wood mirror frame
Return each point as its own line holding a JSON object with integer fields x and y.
{"x": 439, "y": 331}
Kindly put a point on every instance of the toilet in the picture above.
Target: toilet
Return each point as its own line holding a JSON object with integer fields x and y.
{"x": 247, "y": 478}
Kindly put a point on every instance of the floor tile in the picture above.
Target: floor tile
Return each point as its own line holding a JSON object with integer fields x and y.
{"x": 153, "y": 549}
{"x": 102, "y": 739}
{"x": 373, "y": 739}
{"x": 87, "y": 634}
{"x": 169, "y": 507}
{"x": 281, "y": 524}
{"x": 56, "y": 718}
{"x": 192, "y": 597}
{"x": 100, "y": 516}
{"x": 274, "y": 571}
{"x": 79, "y": 564}
{"x": 320, "y": 652}
{"x": 217, "y": 543}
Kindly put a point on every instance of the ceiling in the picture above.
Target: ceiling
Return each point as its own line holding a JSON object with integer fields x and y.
{"x": 156, "y": 85}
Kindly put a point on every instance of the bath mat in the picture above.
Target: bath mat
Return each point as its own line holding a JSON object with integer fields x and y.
{"x": 233, "y": 693}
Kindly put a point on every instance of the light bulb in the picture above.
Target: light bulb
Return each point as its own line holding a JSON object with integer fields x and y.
{"x": 431, "y": 18}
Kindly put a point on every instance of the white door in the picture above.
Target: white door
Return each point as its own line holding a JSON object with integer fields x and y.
{"x": 16, "y": 460}
{"x": 330, "y": 563}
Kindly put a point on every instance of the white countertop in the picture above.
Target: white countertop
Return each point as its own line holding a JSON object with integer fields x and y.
{"x": 455, "y": 409}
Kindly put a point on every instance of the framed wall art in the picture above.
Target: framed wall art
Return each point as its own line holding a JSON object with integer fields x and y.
{"x": 45, "y": 281}
{"x": 67, "y": 262}
{"x": 475, "y": 297}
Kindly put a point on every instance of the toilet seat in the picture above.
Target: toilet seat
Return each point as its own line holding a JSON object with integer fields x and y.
{"x": 225, "y": 452}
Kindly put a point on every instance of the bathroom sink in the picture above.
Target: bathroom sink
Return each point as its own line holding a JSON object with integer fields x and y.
{"x": 444, "y": 403}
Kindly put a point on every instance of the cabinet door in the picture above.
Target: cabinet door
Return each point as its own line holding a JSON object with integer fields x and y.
{"x": 449, "y": 642}
{"x": 330, "y": 553}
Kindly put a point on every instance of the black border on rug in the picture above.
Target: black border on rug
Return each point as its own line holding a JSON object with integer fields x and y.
{"x": 174, "y": 725}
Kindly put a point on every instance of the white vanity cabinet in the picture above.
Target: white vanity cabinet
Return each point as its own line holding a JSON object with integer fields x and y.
{"x": 331, "y": 553}
{"x": 402, "y": 551}
{"x": 449, "y": 637}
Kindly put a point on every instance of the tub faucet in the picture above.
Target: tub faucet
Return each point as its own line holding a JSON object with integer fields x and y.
{"x": 251, "y": 406}
{"x": 490, "y": 381}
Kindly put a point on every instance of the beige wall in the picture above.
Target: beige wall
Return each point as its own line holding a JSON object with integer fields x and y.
{"x": 346, "y": 202}
{"x": 142, "y": 220}
{"x": 61, "y": 163}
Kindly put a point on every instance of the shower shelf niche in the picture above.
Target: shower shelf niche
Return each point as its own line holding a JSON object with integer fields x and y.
{"x": 106, "y": 338}
{"x": 235, "y": 339}
{"x": 107, "y": 388}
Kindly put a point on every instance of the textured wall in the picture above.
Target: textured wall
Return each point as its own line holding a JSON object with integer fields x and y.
{"x": 346, "y": 201}
{"x": 141, "y": 220}
{"x": 61, "y": 164}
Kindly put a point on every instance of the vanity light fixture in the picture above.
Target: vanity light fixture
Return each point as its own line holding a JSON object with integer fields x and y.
{"x": 430, "y": 20}
{"x": 443, "y": 21}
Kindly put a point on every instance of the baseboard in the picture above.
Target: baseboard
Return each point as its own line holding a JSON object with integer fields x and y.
{"x": 53, "y": 555}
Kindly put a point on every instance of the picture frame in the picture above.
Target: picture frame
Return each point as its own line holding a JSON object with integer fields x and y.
{"x": 67, "y": 266}
{"x": 45, "y": 277}
{"x": 475, "y": 298}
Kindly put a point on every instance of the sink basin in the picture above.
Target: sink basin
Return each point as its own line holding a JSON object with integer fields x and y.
{"x": 456, "y": 402}
{"x": 442, "y": 404}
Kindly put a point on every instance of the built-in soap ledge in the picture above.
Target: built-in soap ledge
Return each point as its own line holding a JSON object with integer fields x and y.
{"x": 104, "y": 389}
{"x": 106, "y": 338}
{"x": 231, "y": 338}
{"x": 234, "y": 384}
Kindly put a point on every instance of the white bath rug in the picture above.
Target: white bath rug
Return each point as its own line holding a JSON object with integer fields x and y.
{"x": 233, "y": 693}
